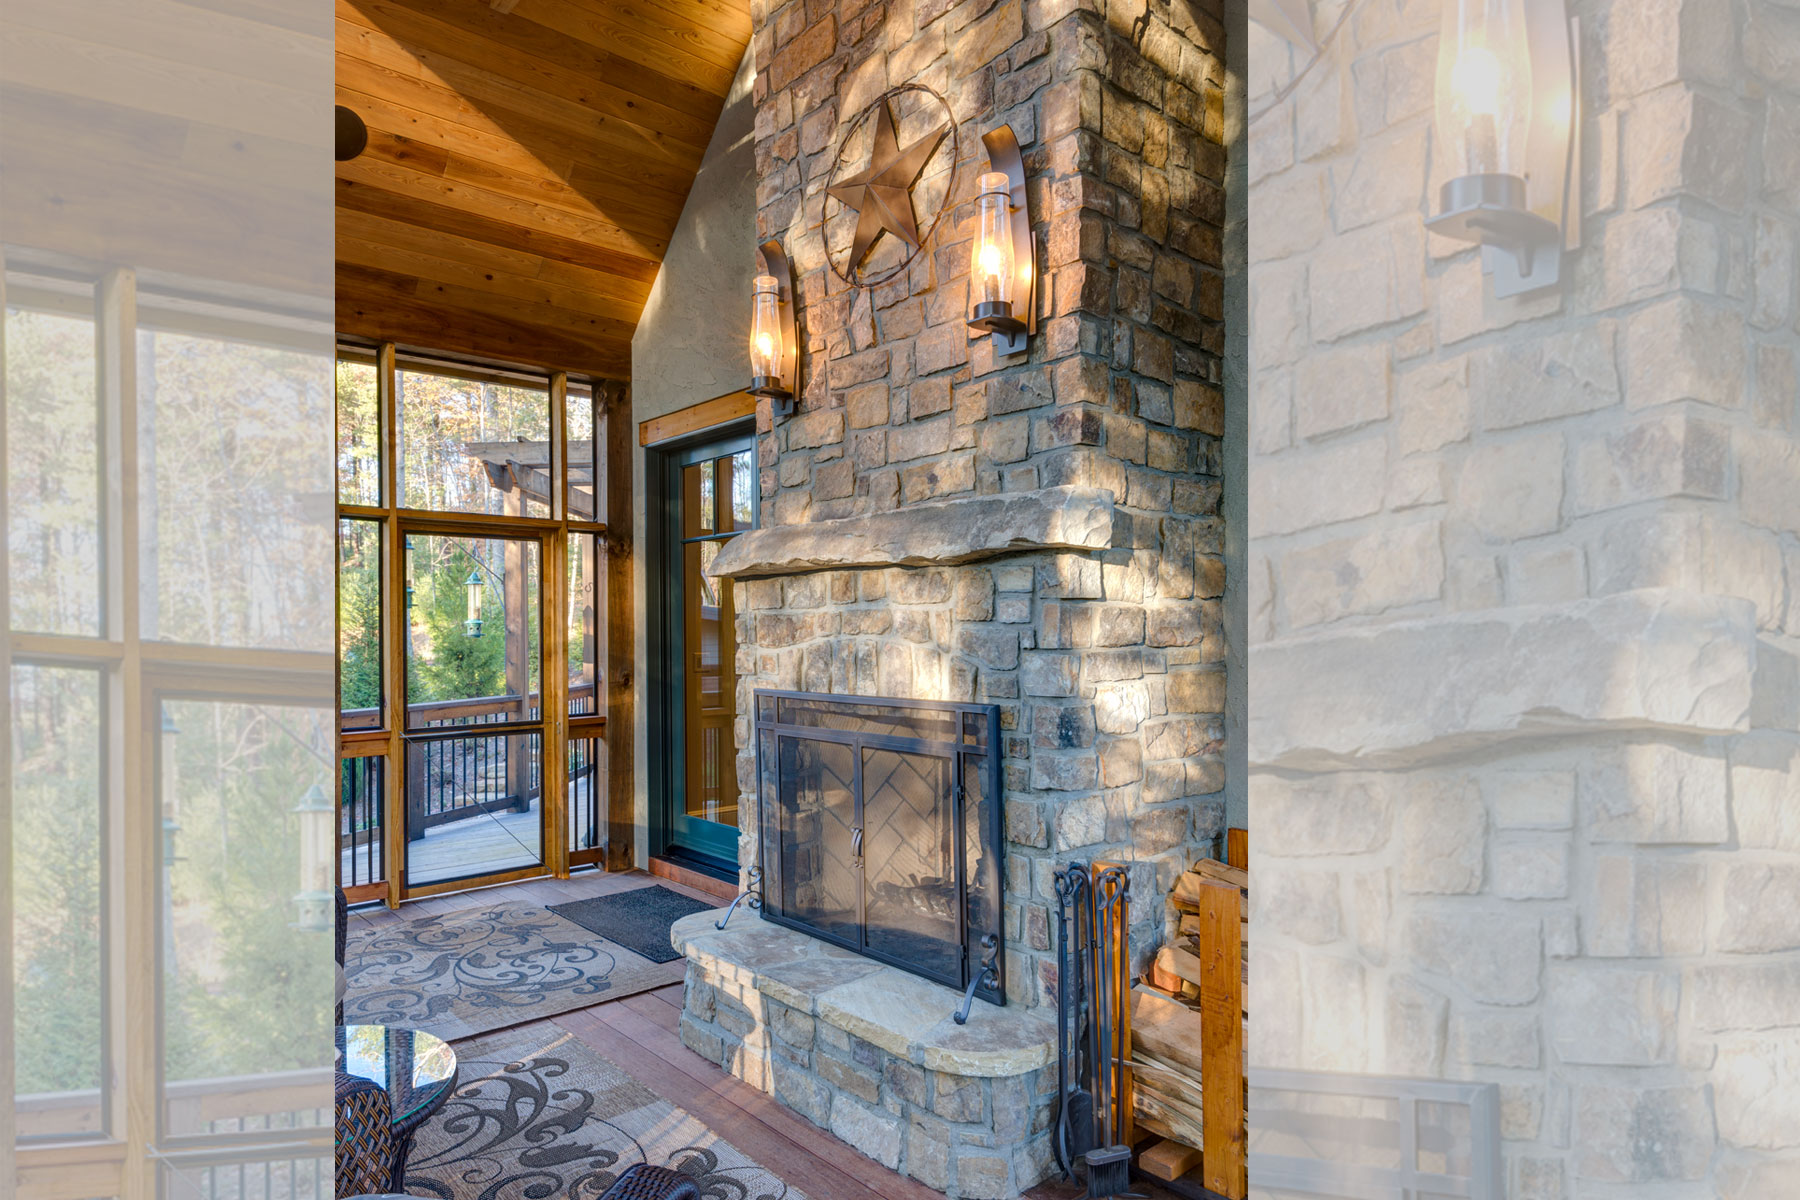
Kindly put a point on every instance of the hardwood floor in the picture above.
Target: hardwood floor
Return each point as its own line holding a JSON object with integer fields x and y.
{"x": 639, "y": 1033}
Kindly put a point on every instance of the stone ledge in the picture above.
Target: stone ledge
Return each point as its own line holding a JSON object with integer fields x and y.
{"x": 955, "y": 531}
{"x": 904, "y": 1015}
{"x": 1395, "y": 695}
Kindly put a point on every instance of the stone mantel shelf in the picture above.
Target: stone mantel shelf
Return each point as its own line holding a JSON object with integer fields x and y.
{"x": 1407, "y": 693}
{"x": 904, "y": 1015}
{"x": 942, "y": 534}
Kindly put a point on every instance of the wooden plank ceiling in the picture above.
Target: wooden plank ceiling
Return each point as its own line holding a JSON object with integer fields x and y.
{"x": 527, "y": 162}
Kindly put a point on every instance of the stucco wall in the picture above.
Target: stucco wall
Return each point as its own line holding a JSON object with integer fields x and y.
{"x": 689, "y": 345}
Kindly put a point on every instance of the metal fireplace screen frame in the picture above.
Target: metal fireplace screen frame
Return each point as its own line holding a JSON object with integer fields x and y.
{"x": 833, "y": 746}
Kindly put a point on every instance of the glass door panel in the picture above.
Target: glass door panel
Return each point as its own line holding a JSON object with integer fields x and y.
{"x": 474, "y": 792}
{"x": 711, "y": 689}
{"x": 714, "y": 500}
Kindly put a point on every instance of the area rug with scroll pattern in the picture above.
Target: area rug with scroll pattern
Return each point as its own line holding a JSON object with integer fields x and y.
{"x": 539, "y": 1113}
{"x": 480, "y": 969}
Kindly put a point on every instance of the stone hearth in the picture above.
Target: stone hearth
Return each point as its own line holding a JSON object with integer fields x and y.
{"x": 871, "y": 1053}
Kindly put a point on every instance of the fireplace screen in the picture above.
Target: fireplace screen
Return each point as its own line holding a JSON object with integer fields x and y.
{"x": 880, "y": 830}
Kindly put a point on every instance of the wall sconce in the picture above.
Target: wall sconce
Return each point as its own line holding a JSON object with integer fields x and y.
{"x": 1002, "y": 258}
{"x": 1508, "y": 113}
{"x": 774, "y": 350}
{"x": 472, "y": 584}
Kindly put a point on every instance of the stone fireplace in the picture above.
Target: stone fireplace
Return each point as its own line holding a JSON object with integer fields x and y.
{"x": 1039, "y": 536}
{"x": 880, "y": 831}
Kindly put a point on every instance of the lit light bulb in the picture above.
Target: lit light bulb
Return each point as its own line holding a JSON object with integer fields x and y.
{"x": 765, "y": 345}
{"x": 1479, "y": 78}
{"x": 993, "y": 261}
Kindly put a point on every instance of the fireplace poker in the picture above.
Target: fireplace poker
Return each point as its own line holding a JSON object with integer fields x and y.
{"x": 1109, "y": 1162}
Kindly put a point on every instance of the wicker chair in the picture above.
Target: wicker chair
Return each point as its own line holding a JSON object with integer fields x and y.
{"x": 343, "y": 933}
{"x": 366, "y": 1149}
{"x": 645, "y": 1182}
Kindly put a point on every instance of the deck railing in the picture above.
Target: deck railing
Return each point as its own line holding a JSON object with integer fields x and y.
{"x": 451, "y": 776}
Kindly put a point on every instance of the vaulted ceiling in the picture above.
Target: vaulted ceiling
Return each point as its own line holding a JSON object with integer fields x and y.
{"x": 527, "y": 163}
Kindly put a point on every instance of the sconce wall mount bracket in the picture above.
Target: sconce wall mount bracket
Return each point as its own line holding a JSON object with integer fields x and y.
{"x": 1526, "y": 225}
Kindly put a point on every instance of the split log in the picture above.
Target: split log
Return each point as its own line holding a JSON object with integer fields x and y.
{"x": 1220, "y": 872}
{"x": 1175, "y": 961}
{"x": 1163, "y": 980}
{"x": 1168, "y": 1160}
{"x": 1166, "y": 1029}
{"x": 1184, "y": 1122}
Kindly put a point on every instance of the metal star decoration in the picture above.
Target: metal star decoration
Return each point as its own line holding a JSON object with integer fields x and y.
{"x": 882, "y": 195}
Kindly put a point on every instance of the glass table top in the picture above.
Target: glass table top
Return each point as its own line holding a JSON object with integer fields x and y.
{"x": 417, "y": 1069}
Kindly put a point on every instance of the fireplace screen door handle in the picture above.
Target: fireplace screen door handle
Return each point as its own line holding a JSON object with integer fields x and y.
{"x": 856, "y": 845}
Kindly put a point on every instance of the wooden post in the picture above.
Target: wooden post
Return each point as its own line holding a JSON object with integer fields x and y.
{"x": 621, "y": 725}
{"x": 395, "y": 650}
{"x": 518, "y": 646}
{"x": 414, "y": 794}
{"x": 553, "y": 677}
{"x": 1222, "y": 1037}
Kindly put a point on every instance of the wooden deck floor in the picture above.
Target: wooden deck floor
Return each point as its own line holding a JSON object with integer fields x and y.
{"x": 482, "y": 845}
{"x": 639, "y": 1033}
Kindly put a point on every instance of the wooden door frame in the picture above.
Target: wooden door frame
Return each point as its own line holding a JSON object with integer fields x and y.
{"x": 663, "y": 674}
{"x": 552, "y": 698}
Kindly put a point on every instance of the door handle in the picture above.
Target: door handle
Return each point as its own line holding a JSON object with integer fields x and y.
{"x": 856, "y": 845}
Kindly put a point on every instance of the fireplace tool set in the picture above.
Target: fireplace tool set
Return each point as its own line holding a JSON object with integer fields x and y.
{"x": 1093, "y": 915}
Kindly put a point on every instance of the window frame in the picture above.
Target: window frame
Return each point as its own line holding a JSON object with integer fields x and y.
{"x": 609, "y": 414}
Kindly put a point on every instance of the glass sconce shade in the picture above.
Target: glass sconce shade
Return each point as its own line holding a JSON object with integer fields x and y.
{"x": 991, "y": 258}
{"x": 766, "y": 347}
{"x": 1484, "y": 87}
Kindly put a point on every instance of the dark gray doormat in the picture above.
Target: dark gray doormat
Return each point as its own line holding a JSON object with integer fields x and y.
{"x": 639, "y": 919}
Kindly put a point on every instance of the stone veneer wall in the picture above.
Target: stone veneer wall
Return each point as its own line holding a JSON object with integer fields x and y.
{"x": 1525, "y": 608}
{"x": 1108, "y": 667}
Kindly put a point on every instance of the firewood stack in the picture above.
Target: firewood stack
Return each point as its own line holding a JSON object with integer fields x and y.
{"x": 1176, "y": 971}
{"x": 1187, "y": 1030}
